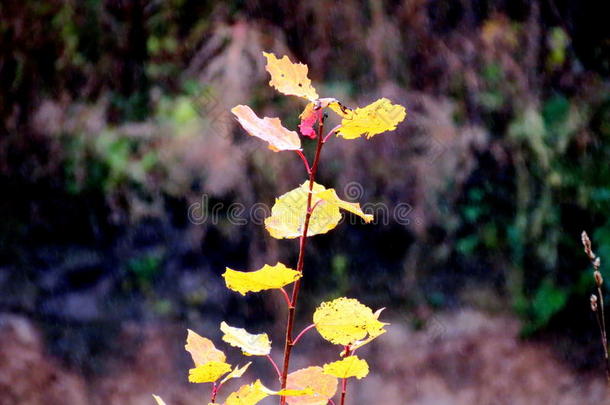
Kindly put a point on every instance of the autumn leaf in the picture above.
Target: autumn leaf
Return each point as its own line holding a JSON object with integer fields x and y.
{"x": 208, "y": 372}
{"x": 267, "y": 129}
{"x": 330, "y": 196}
{"x": 345, "y": 320}
{"x": 266, "y": 278}
{"x": 249, "y": 394}
{"x": 323, "y": 386}
{"x": 373, "y": 334}
{"x": 288, "y": 214}
{"x": 350, "y": 366}
{"x": 202, "y": 349}
{"x": 289, "y": 78}
{"x": 375, "y": 118}
{"x": 309, "y": 117}
{"x": 251, "y": 345}
{"x": 158, "y": 400}
{"x": 237, "y": 372}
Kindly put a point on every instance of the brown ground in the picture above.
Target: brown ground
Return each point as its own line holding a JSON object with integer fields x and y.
{"x": 464, "y": 358}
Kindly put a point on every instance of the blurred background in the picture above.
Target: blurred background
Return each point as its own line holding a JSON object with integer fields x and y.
{"x": 121, "y": 167}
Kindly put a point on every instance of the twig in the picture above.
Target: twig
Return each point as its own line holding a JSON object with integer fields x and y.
{"x": 599, "y": 315}
{"x": 294, "y": 342}
{"x": 277, "y": 369}
{"x": 348, "y": 352}
{"x": 286, "y": 297}
{"x": 302, "y": 244}
{"x": 304, "y": 159}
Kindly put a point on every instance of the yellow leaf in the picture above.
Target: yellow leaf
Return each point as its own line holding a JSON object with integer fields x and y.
{"x": 267, "y": 129}
{"x": 323, "y": 386}
{"x": 288, "y": 214}
{"x": 350, "y": 366}
{"x": 330, "y": 196}
{"x": 158, "y": 399}
{"x": 344, "y": 321}
{"x": 202, "y": 350}
{"x": 375, "y": 118}
{"x": 289, "y": 78}
{"x": 294, "y": 393}
{"x": 359, "y": 343}
{"x": 248, "y": 394}
{"x": 236, "y": 373}
{"x": 251, "y": 345}
{"x": 266, "y": 278}
{"x": 208, "y": 372}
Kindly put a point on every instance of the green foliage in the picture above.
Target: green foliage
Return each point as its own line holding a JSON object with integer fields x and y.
{"x": 144, "y": 268}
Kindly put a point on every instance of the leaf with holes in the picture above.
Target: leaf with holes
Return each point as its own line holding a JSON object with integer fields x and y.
{"x": 289, "y": 78}
{"x": 344, "y": 321}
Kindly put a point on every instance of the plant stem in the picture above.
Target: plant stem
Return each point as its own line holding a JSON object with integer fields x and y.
{"x": 277, "y": 370}
{"x": 348, "y": 352}
{"x": 603, "y": 333}
{"x": 286, "y": 297}
{"x": 214, "y": 392}
{"x": 343, "y": 391}
{"x": 303, "y": 242}
{"x": 294, "y": 342}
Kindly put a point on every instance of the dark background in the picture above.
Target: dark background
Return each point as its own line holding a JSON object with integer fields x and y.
{"x": 114, "y": 120}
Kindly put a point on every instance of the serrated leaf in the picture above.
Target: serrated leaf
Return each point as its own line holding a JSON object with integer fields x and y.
{"x": 344, "y": 321}
{"x": 350, "y": 366}
{"x": 158, "y": 400}
{"x": 330, "y": 196}
{"x": 202, "y": 349}
{"x": 289, "y": 78}
{"x": 208, "y": 372}
{"x": 377, "y": 117}
{"x": 236, "y": 373}
{"x": 251, "y": 345}
{"x": 249, "y": 394}
{"x": 267, "y": 129}
{"x": 266, "y": 278}
{"x": 323, "y": 386}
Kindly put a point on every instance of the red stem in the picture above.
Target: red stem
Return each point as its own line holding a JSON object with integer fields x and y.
{"x": 214, "y": 392}
{"x": 294, "y": 342}
{"x": 305, "y": 162}
{"x": 332, "y": 131}
{"x": 286, "y": 297}
{"x": 348, "y": 352}
{"x": 277, "y": 370}
{"x": 303, "y": 242}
